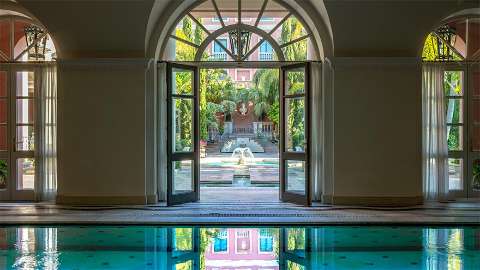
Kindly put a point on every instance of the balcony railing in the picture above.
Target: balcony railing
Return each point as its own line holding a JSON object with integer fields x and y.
{"x": 266, "y": 56}
{"x": 219, "y": 56}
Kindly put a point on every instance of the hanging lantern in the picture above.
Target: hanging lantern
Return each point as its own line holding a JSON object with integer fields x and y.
{"x": 244, "y": 42}
{"x": 448, "y": 34}
{"x": 36, "y": 42}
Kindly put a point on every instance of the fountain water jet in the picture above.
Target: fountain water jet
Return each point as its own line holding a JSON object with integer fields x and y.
{"x": 241, "y": 175}
{"x": 243, "y": 153}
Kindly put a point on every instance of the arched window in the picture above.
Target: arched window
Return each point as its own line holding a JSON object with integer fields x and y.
{"x": 457, "y": 40}
{"x": 241, "y": 31}
{"x": 28, "y": 106}
{"x": 451, "y": 109}
{"x": 21, "y": 40}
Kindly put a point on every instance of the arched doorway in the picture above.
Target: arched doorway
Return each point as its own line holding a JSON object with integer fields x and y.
{"x": 248, "y": 42}
{"x": 27, "y": 109}
{"x": 451, "y": 81}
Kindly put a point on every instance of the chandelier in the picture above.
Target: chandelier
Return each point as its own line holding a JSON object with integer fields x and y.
{"x": 244, "y": 42}
{"x": 36, "y": 42}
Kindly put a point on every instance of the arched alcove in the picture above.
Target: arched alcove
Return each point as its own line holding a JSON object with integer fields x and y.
{"x": 451, "y": 111}
{"x": 27, "y": 107}
{"x": 207, "y": 31}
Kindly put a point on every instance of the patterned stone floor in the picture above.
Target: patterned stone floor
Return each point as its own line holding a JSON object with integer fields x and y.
{"x": 234, "y": 213}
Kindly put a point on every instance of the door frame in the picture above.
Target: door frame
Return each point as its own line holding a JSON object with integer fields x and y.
{"x": 463, "y": 153}
{"x": 195, "y": 65}
{"x": 194, "y": 195}
{"x": 285, "y": 195}
{"x": 12, "y": 193}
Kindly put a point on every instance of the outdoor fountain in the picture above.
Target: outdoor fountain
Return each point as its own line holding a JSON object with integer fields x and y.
{"x": 241, "y": 175}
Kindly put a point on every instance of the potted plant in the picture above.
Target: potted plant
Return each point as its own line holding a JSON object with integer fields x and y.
{"x": 3, "y": 174}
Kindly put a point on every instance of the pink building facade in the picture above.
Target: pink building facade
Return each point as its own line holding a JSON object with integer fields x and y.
{"x": 242, "y": 249}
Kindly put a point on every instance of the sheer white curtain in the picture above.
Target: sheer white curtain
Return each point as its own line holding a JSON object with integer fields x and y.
{"x": 47, "y": 149}
{"x": 435, "y": 149}
{"x": 316, "y": 147}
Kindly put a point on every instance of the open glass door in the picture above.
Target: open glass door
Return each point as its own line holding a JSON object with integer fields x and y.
{"x": 183, "y": 248}
{"x": 454, "y": 86}
{"x": 18, "y": 97}
{"x": 23, "y": 133}
{"x": 294, "y": 137}
{"x": 183, "y": 167}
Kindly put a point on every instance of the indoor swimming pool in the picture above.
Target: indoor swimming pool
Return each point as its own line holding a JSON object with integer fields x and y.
{"x": 235, "y": 248}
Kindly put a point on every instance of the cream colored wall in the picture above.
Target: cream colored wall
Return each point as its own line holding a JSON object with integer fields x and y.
{"x": 376, "y": 102}
{"x": 377, "y": 128}
{"x": 102, "y": 147}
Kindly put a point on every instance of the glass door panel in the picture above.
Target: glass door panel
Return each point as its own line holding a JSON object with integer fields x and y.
{"x": 183, "y": 134}
{"x": 294, "y": 121}
{"x": 24, "y": 113}
{"x": 455, "y": 115}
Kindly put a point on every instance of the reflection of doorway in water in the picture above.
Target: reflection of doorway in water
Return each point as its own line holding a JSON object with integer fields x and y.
{"x": 239, "y": 112}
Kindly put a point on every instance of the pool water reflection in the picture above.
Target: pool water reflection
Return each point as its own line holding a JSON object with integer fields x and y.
{"x": 185, "y": 248}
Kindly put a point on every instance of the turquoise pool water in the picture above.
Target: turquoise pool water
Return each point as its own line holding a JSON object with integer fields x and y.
{"x": 184, "y": 248}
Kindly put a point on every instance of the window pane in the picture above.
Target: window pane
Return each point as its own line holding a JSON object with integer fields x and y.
{"x": 3, "y": 138}
{"x": 476, "y": 175}
{"x": 44, "y": 51}
{"x": 295, "y": 81}
{"x": 183, "y": 239}
{"x": 219, "y": 54}
{"x": 5, "y": 33}
{"x": 455, "y": 174}
{"x": 25, "y": 173}
{"x": 454, "y": 110}
{"x": 25, "y": 84}
{"x": 266, "y": 52}
{"x": 182, "y": 176}
{"x": 3, "y": 111}
{"x": 295, "y": 176}
{"x": 476, "y": 111}
{"x": 25, "y": 111}
{"x": 25, "y": 138}
{"x": 455, "y": 138}
{"x": 476, "y": 82}
{"x": 3, "y": 174}
{"x": 188, "y": 30}
{"x": 473, "y": 37}
{"x": 183, "y": 125}
{"x": 3, "y": 84}
{"x": 453, "y": 83}
{"x": 476, "y": 139}
{"x": 179, "y": 51}
{"x": 295, "y": 123}
{"x": 182, "y": 82}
